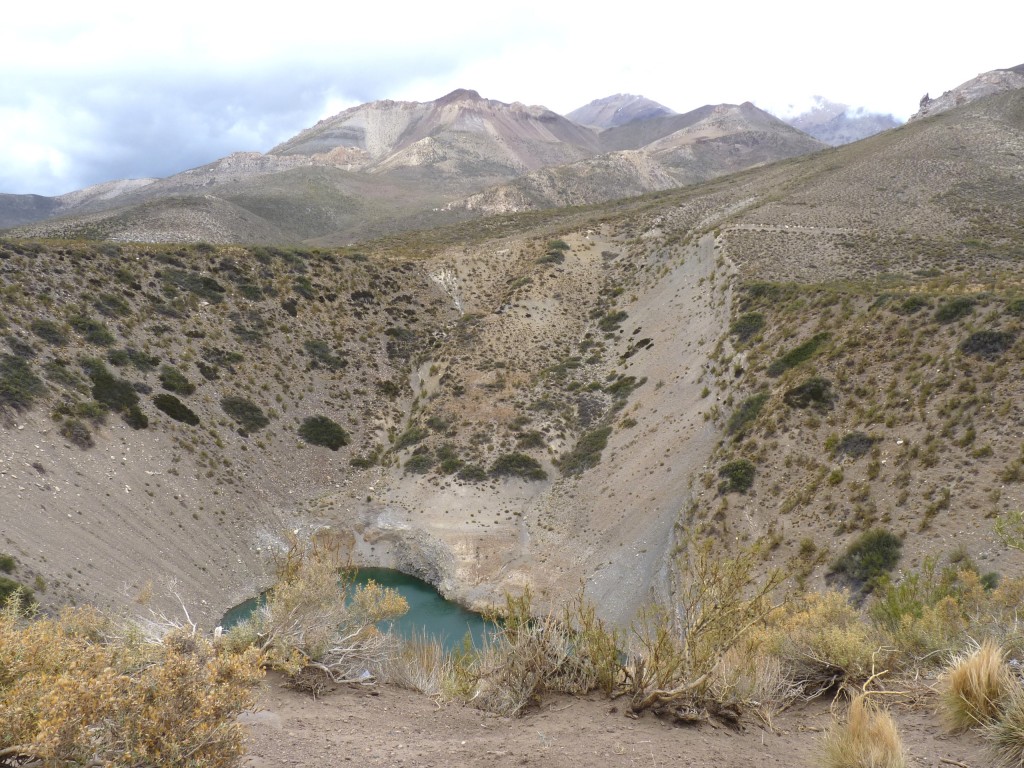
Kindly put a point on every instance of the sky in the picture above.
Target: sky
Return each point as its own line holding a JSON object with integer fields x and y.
{"x": 92, "y": 92}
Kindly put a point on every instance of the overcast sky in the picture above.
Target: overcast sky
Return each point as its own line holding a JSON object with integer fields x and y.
{"x": 91, "y": 92}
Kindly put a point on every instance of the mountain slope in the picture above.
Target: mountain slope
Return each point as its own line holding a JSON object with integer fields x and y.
{"x": 613, "y": 111}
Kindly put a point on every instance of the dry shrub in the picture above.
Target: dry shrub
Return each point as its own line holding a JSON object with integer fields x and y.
{"x": 314, "y": 626}
{"x": 748, "y": 676}
{"x": 419, "y": 664}
{"x": 868, "y": 740}
{"x": 528, "y": 656}
{"x": 1006, "y": 733}
{"x": 675, "y": 653}
{"x": 974, "y": 686}
{"x": 821, "y": 641}
{"x": 78, "y": 689}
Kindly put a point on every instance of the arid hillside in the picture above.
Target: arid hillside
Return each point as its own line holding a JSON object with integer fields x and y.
{"x": 791, "y": 354}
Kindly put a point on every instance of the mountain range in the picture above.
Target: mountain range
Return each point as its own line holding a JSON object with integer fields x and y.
{"x": 390, "y": 166}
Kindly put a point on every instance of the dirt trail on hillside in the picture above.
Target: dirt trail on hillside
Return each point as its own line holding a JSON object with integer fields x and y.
{"x": 393, "y": 727}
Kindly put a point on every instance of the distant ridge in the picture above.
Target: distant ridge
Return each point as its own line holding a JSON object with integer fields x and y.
{"x": 616, "y": 110}
{"x": 837, "y": 124}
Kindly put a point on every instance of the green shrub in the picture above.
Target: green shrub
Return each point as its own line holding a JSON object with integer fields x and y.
{"x": 518, "y": 465}
{"x": 558, "y": 245}
{"x": 135, "y": 418}
{"x": 611, "y": 321}
{"x": 9, "y": 587}
{"x": 19, "y": 386}
{"x": 472, "y": 473}
{"x": 529, "y": 440}
{"x": 111, "y": 305}
{"x": 586, "y": 454}
{"x": 1015, "y": 307}
{"x": 321, "y": 355}
{"x": 92, "y": 330}
{"x": 136, "y": 358}
{"x": 987, "y": 344}
{"x": 855, "y": 444}
{"x": 78, "y": 433}
{"x": 869, "y": 557}
{"x": 420, "y": 463}
{"x": 910, "y": 305}
{"x": 414, "y": 434}
{"x": 50, "y": 332}
{"x": 7, "y": 564}
{"x": 745, "y": 415}
{"x": 799, "y": 354}
{"x": 117, "y": 394}
{"x": 173, "y": 380}
{"x": 954, "y": 309}
{"x": 200, "y": 285}
{"x": 552, "y": 257}
{"x": 176, "y": 409}
{"x": 320, "y": 430}
{"x": 737, "y": 476}
{"x": 746, "y": 326}
{"x": 247, "y": 414}
{"x": 815, "y": 391}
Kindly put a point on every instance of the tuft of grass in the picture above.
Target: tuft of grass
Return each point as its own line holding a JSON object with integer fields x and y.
{"x": 974, "y": 685}
{"x": 868, "y": 740}
{"x": 1006, "y": 733}
{"x": 320, "y": 430}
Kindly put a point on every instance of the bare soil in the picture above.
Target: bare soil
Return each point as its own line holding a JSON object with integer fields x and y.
{"x": 394, "y": 727}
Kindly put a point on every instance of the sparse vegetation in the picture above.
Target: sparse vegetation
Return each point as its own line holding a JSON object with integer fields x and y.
{"x": 586, "y": 454}
{"x": 519, "y": 465}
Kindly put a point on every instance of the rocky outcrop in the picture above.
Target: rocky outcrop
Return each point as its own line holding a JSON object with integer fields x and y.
{"x": 985, "y": 84}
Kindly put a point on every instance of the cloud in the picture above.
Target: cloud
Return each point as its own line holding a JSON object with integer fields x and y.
{"x": 115, "y": 89}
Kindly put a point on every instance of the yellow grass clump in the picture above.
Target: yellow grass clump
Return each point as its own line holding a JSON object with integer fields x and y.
{"x": 868, "y": 740}
{"x": 974, "y": 686}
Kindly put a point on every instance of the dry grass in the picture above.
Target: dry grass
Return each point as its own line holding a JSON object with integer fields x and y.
{"x": 974, "y": 686}
{"x": 1007, "y": 732}
{"x": 868, "y": 740}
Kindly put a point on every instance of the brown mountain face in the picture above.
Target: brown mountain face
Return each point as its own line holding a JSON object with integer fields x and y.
{"x": 675, "y": 150}
{"x": 613, "y": 111}
{"x": 460, "y": 133}
{"x": 393, "y": 166}
{"x": 985, "y": 84}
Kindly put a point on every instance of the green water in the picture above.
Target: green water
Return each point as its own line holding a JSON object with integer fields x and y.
{"x": 428, "y": 611}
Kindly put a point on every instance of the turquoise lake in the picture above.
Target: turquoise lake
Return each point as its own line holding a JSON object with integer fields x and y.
{"x": 428, "y": 611}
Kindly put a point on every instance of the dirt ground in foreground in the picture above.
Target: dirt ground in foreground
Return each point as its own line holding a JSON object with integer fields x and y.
{"x": 386, "y": 726}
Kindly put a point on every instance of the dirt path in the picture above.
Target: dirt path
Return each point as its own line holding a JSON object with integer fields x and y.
{"x": 393, "y": 727}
